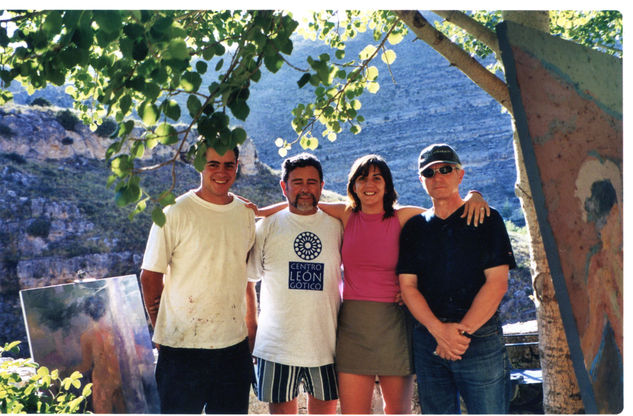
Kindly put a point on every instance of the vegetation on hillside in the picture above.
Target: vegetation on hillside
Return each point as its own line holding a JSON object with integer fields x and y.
{"x": 79, "y": 182}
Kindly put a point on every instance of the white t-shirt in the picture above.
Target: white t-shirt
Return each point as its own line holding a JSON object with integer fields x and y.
{"x": 298, "y": 259}
{"x": 202, "y": 251}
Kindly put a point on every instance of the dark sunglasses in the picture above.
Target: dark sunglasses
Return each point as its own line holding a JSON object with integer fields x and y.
{"x": 444, "y": 170}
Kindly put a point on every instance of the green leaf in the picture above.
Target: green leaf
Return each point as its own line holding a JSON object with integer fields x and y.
{"x": 373, "y": 87}
{"x": 27, "y": 392}
{"x": 152, "y": 90}
{"x": 201, "y": 67}
{"x": 372, "y": 73}
{"x": 158, "y": 216}
{"x": 240, "y": 109}
{"x": 53, "y": 23}
{"x": 126, "y": 46}
{"x": 238, "y": 135}
{"x": 5, "y": 96}
{"x": 126, "y": 194}
{"x": 191, "y": 81}
{"x": 172, "y": 109}
{"x": 395, "y": 38}
{"x": 284, "y": 44}
{"x": 151, "y": 142}
{"x": 201, "y": 157}
{"x": 167, "y": 134}
{"x": 177, "y": 49}
{"x": 137, "y": 150}
{"x": 139, "y": 50}
{"x": 11, "y": 348}
{"x": 340, "y": 53}
{"x": 388, "y": 57}
{"x": 167, "y": 198}
{"x": 367, "y": 52}
{"x": 87, "y": 391}
{"x": 273, "y": 62}
{"x": 193, "y": 105}
{"x": 108, "y": 20}
{"x": 4, "y": 38}
{"x": 140, "y": 207}
{"x": 121, "y": 165}
{"x": 134, "y": 30}
{"x": 221, "y": 120}
{"x": 126, "y": 128}
{"x": 73, "y": 406}
{"x": 149, "y": 113}
{"x": 207, "y": 128}
{"x": 113, "y": 149}
{"x": 125, "y": 103}
{"x": 309, "y": 143}
{"x": 207, "y": 54}
{"x": 303, "y": 80}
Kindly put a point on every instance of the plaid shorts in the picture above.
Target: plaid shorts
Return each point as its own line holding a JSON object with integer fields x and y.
{"x": 278, "y": 383}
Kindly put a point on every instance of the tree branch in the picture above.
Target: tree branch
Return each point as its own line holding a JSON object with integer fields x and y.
{"x": 457, "y": 57}
{"x": 473, "y": 27}
{"x": 353, "y": 77}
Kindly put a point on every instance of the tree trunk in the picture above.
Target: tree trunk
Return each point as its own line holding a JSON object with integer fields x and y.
{"x": 561, "y": 393}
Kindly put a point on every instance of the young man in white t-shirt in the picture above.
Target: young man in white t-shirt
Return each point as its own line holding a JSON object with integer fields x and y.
{"x": 199, "y": 301}
{"x": 297, "y": 257}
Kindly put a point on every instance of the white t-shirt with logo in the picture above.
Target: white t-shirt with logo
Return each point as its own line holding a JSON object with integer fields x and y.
{"x": 298, "y": 259}
{"x": 201, "y": 250}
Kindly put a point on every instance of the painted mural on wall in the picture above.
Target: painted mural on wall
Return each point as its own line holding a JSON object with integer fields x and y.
{"x": 97, "y": 327}
{"x": 568, "y": 105}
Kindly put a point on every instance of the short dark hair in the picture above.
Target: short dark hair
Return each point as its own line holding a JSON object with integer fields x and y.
{"x": 360, "y": 168}
{"x": 300, "y": 161}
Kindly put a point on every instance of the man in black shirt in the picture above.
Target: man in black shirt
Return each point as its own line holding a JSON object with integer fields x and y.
{"x": 453, "y": 277}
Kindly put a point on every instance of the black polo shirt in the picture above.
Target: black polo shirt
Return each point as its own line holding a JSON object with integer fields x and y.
{"x": 449, "y": 258}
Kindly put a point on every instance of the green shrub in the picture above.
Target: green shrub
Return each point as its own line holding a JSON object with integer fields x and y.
{"x": 15, "y": 157}
{"x": 6, "y": 131}
{"x": 67, "y": 119}
{"x": 40, "y": 227}
{"x": 41, "y": 101}
{"x": 44, "y": 392}
{"x": 107, "y": 128}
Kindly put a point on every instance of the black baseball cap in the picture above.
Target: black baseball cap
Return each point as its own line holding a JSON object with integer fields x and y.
{"x": 437, "y": 153}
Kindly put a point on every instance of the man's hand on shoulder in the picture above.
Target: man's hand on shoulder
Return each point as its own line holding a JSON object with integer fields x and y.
{"x": 476, "y": 208}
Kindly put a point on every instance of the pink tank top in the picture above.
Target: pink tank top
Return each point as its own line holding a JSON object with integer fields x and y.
{"x": 370, "y": 255}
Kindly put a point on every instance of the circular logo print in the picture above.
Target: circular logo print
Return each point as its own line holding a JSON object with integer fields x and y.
{"x": 308, "y": 246}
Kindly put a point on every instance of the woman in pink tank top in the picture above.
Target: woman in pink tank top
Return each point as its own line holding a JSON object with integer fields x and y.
{"x": 373, "y": 337}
